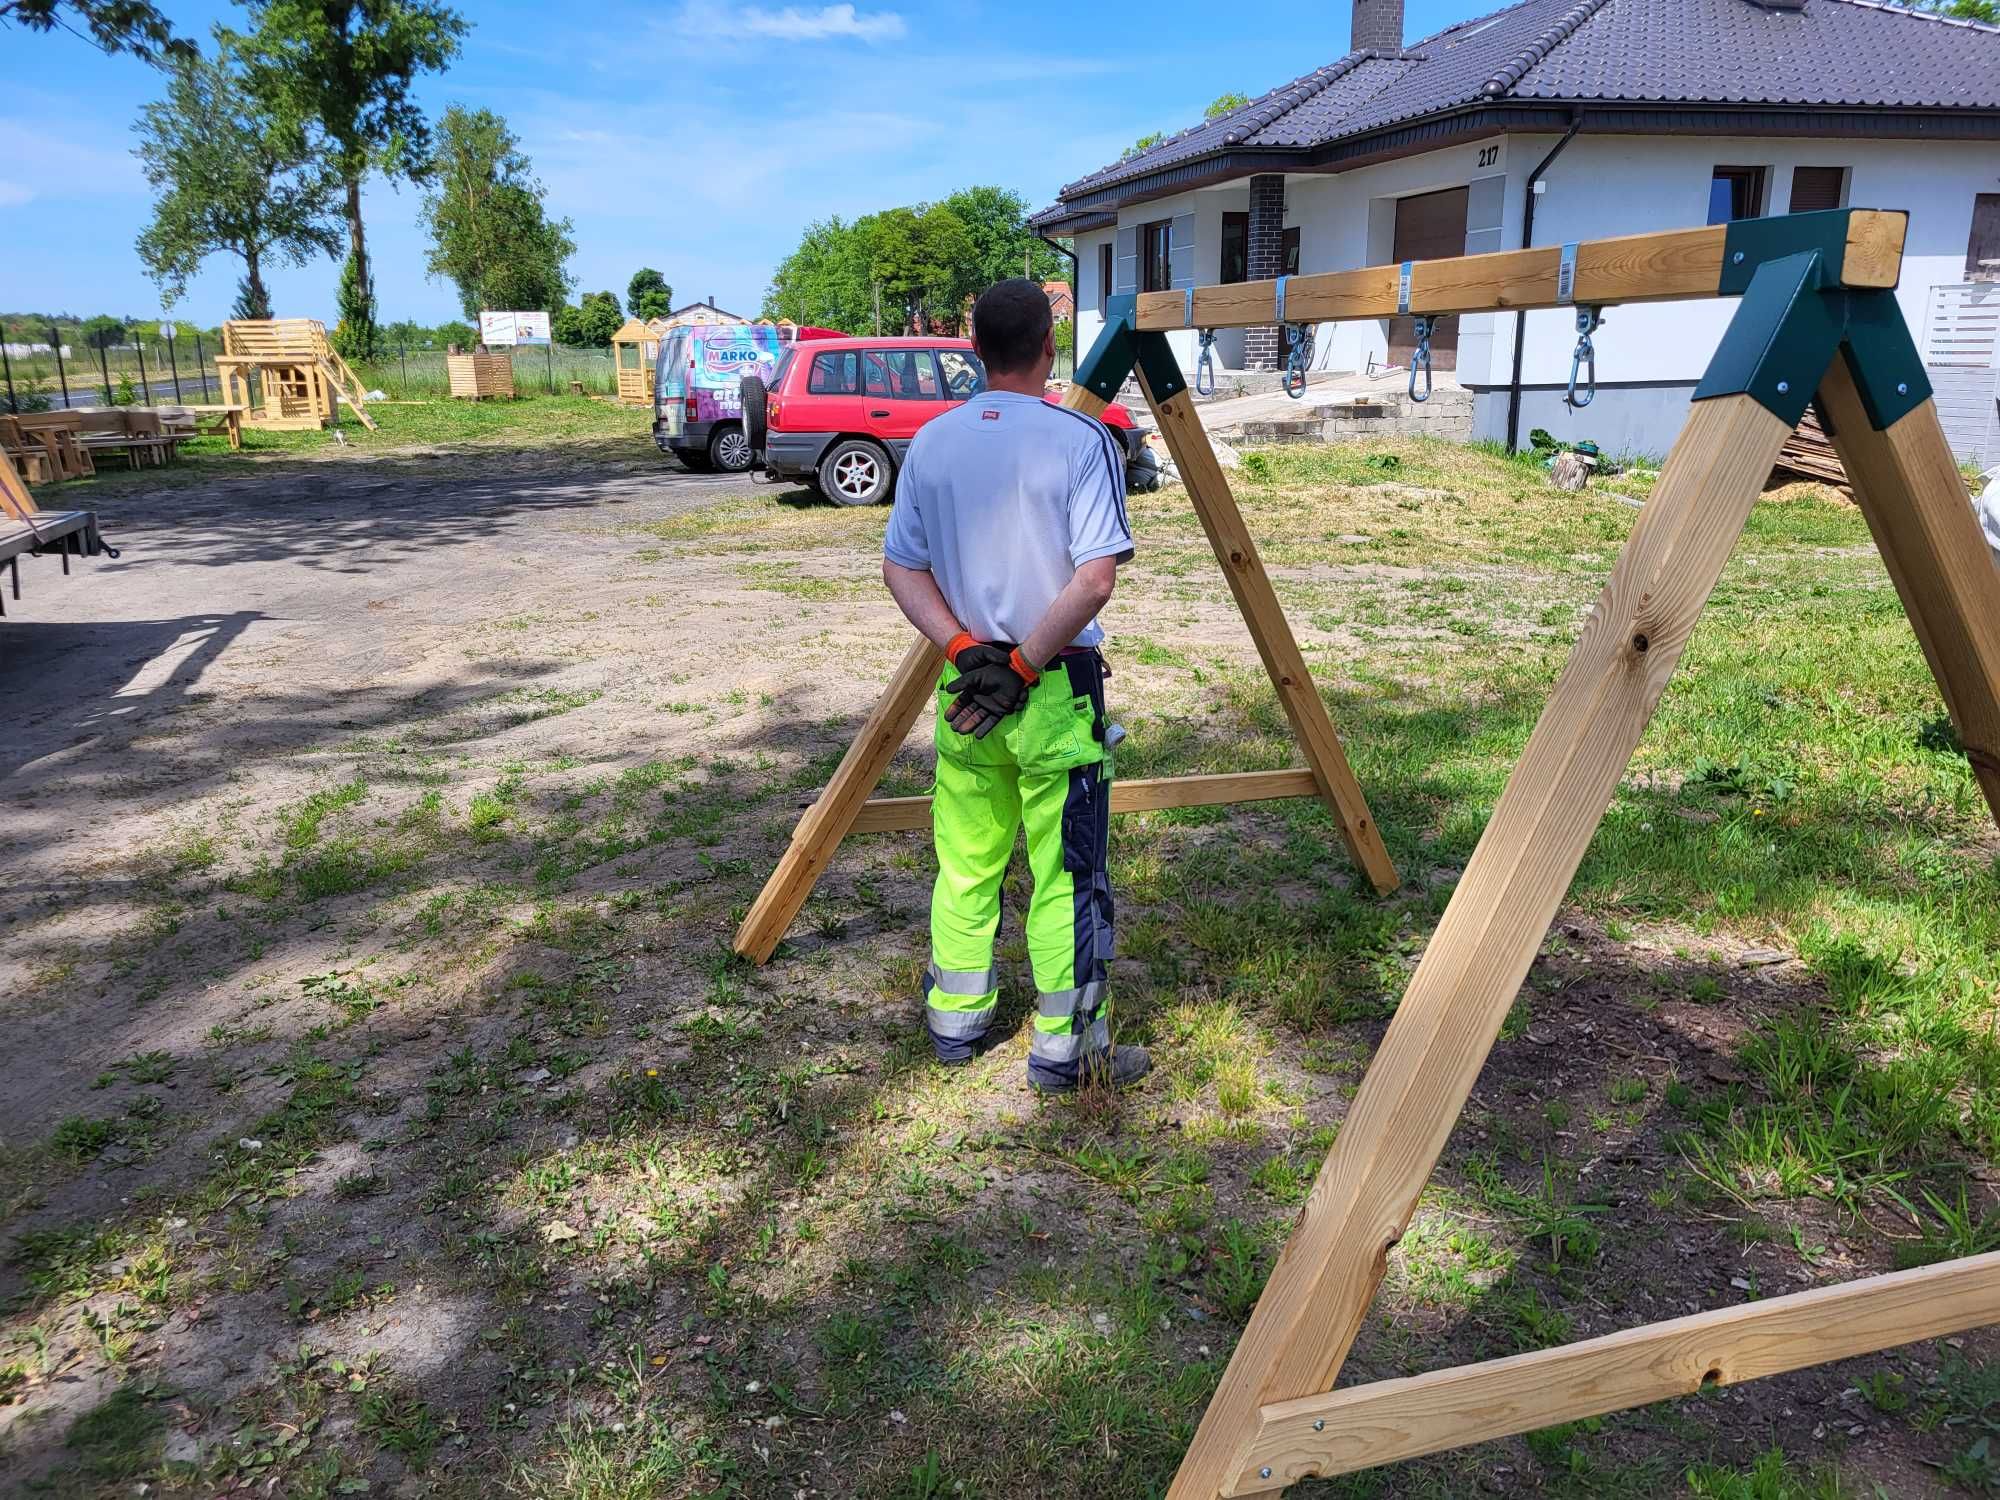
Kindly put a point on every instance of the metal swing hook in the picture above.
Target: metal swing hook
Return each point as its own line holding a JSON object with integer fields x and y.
{"x": 1204, "y": 367}
{"x": 1588, "y": 321}
{"x": 1421, "y": 360}
{"x": 1295, "y": 360}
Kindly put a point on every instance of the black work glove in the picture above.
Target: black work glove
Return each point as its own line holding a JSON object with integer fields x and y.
{"x": 987, "y": 688}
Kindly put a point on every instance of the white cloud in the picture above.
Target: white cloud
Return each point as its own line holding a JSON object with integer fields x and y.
{"x": 794, "y": 23}
{"x": 45, "y": 163}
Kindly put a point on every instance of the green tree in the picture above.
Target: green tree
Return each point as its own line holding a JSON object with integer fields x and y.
{"x": 648, "y": 294}
{"x": 102, "y": 331}
{"x": 1141, "y": 146}
{"x": 228, "y": 181}
{"x": 1966, "y": 10}
{"x": 826, "y": 280}
{"x": 921, "y": 258}
{"x": 589, "y": 324}
{"x": 1223, "y": 104}
{"x": 115, "y": 25}
{"x": 1003, "y": 246}
{"x": 338, "y": 74}
{"x": 483, "y": 207}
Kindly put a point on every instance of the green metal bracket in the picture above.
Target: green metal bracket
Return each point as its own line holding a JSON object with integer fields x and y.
{"x": 1793, "y": 318}
{"x": 1161, "y": 369}
{"x": 1750, "y": 243}
{"x": 1781, "y": 340}
{"x": 1887, "y": 369}
{"x": 1103, "y": 370}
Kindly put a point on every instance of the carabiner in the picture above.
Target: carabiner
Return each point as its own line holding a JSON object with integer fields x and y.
{"x": 1295, "y": 361}
{"x": 1588, "y": 321}
{"x": 1421, "y": 360}
{"x": 1204, "y": 367}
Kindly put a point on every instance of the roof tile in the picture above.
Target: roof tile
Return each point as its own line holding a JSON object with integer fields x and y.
{"x": 1831, "y": 54}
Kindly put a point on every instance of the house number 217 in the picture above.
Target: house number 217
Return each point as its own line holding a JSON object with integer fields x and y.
{"x": 1488, "y": 155}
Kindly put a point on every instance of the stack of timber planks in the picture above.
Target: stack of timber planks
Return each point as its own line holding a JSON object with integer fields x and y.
{"x": 1808, "y": 458}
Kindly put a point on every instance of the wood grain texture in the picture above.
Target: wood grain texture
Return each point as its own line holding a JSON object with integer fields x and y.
{"x": 1669, "y": 266}
{"x": 1077, "y": 398}
{"x": 1874, "y": 255}
{"x": 1208, "y": 489}
{"x": 1908, "y": 486}
{"x": 828, "y": 820}
{"x": 1416, "y": 1086}
{"x": 898, "y": 814}
{"x": 1398, "y": 1419}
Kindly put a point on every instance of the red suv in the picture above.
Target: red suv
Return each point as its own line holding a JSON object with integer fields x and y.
{"x": 839, "y": 414}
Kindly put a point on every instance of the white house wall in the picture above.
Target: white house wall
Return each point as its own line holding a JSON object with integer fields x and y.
{"x": 1650, "y": 356}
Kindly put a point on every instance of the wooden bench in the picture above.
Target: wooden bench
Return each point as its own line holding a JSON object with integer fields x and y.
{"x": 26, "y": 528}
{"x": 207, "y": 421}
{"x": 136, "y": 433}
{"x": 57, "y": 433}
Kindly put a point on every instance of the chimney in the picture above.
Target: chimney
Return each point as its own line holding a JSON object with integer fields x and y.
{"x": 711, "y": 302}
{"x": 1378, "y": 24}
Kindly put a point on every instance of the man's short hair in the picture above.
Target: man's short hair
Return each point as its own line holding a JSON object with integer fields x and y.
{"x": 1010, "y": 322}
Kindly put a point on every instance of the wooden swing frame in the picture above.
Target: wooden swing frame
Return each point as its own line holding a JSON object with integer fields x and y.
{"x": 1818, "y": 320}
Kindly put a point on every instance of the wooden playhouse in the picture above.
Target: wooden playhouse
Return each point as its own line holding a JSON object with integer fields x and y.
{"x": 299, "y": 379}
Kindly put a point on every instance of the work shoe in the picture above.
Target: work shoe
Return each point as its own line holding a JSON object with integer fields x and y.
{"x": 1117, "y": 1068}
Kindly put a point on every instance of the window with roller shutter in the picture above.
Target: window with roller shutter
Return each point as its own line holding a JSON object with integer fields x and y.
{"x": 1815, "y": 189}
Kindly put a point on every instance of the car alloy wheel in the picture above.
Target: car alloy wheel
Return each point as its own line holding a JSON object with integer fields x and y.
{"x": 732, "y": 451}
{"x": 857, "y": 475}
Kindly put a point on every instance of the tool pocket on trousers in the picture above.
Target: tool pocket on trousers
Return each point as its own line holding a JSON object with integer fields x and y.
{"x": 1083, "y": 821}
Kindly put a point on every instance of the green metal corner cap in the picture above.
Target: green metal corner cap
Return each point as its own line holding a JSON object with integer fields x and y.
{"x": 1103, "y": 370}
{"x": 1750, "y": 243}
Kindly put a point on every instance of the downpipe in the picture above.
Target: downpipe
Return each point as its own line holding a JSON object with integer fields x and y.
{"x": 1521, "y": 317}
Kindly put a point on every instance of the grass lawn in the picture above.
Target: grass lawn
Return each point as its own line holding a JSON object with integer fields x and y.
{"x": 552, "y": 1196}
{"x": 531, "y": 421}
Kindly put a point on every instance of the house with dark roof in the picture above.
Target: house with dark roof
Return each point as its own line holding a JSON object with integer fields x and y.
{"x": 1559, "y": 120}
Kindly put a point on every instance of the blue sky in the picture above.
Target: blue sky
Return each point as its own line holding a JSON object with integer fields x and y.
{"x": 691, "y": 135}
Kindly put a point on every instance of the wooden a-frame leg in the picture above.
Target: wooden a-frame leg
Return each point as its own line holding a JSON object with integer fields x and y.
{"x": 1208, "y": 488}
{"x": 828, "y": 820}
{"x": 1909, "y": 488}
{"x": 1415, "y": 1088}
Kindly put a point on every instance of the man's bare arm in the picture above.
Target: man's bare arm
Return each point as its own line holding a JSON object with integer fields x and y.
{"x": 1087, "y": 592}
{"x": 916, "y": 594}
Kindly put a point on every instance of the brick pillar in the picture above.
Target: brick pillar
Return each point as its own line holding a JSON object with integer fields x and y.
{"x": 1267, "y": 235}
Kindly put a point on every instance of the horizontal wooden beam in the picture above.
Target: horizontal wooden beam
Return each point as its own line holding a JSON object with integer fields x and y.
{"x": 1663, "y": 267}
{"x": 1392, "y": 1420}
{"x": 895, "y": 814}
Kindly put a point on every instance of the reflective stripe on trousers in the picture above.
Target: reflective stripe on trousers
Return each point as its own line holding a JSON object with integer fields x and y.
{"x": 958, "y": 1003}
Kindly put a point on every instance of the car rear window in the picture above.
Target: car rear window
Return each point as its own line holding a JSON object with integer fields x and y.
{"x": 964, "y": 375}
{"x": 837, "y": 372}
{"x": 785, "y": 363}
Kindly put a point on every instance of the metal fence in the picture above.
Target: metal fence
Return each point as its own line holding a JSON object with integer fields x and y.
{"x": 154, "y": 371}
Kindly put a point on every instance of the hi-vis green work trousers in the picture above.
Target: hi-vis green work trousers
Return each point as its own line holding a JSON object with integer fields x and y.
{"x": 1044, "y": 767}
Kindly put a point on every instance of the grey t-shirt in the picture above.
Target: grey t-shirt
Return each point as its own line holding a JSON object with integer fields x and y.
{"x": 1002, "y": 500}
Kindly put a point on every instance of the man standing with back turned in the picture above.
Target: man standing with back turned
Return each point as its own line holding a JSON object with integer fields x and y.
{"x": 1004, "y": 543}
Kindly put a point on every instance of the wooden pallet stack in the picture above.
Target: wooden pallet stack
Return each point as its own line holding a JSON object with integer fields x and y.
{"x": 1808, "y": 457}
{"x": 474, "y": 377}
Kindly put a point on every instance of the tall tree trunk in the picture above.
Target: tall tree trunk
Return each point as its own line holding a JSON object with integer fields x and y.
{"x": 356, "y": 239}
{"x": 256, "y": 301}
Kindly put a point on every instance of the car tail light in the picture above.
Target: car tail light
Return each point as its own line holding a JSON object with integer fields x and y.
{"x": 773, "y": 409}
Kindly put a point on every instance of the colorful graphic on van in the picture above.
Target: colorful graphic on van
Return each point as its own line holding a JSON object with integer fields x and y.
{"x": 709, "y": 361}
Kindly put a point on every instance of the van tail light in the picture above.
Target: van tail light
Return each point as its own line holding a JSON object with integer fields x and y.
{"x": 693, "y": 408}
